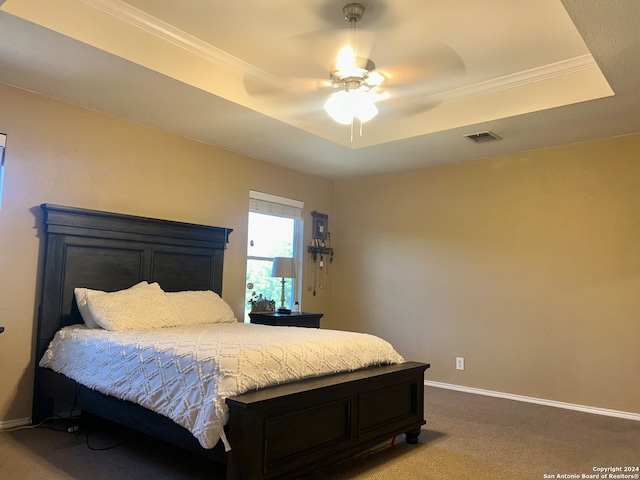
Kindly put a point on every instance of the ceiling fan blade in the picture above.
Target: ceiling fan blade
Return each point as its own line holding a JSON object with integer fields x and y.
{"x": 257, "y": 88}
{"x": 407, "y": 106}
{"x": 304, "y": 85}
{"x": 437, "y": 66}
{"x": 321, "y": 47}
{"x": 413, "y": 84}
{"x": 310, "y": 84}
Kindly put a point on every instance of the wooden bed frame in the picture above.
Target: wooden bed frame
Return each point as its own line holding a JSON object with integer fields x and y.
{"x": 277, "y": 432}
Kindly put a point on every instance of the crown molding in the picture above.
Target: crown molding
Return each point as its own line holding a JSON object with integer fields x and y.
{"x": 533, "y": 75}
{"x": 171, "y": 34}
{"x": 179, "y": 38}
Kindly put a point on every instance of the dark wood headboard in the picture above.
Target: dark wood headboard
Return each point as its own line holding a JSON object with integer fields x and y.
{"x": 111, "y": 252}
{"x": 107, "y": 251}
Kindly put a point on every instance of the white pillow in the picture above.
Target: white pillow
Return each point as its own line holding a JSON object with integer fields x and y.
{"x": 141, "y": 308}
{"x": 81, "y": 300}
{"x": 202, "y": 306}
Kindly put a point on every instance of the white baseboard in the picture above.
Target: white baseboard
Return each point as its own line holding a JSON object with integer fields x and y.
{"x": 539, "y": 401}
{"x": 20, "y": 422}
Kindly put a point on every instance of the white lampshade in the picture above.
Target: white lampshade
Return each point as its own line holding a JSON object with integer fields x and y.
{"x": 344, "y": 106}
{"x": 284, "y": 267}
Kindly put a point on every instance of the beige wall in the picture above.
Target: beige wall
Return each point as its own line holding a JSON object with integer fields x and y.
{"x": 62, "y": 154}
{"x": 526, "y": 265}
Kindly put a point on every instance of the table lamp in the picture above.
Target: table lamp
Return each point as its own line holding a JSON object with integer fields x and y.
{"x": 283, "y": 267}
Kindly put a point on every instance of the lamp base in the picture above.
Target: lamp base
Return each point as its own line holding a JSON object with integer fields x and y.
{"x": 284, "y": 310}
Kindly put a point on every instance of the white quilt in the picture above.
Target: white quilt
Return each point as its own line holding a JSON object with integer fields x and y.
{"x": 185, "y": 373}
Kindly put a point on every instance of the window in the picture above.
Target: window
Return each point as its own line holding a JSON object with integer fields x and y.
{"x": 275, "y": 230}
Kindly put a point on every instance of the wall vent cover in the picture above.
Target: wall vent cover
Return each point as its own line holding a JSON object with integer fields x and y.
{"x": 483, "y": 137}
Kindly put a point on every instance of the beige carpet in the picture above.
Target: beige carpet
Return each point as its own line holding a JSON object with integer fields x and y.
{"x": 466, "y": 437}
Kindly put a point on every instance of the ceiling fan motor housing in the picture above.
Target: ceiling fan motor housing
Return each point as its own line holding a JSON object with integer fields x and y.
{"x": 353, "y": 12}
{"x": 356, "y": 77}
{"x": 353, "y": 78}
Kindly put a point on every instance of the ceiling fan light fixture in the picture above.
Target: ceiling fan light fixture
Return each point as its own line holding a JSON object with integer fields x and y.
{"x": 374, "y": 78}
{"x": 357, "y": 79}
{"x": 344, "y": 106}
{"x": 346, "y": 59}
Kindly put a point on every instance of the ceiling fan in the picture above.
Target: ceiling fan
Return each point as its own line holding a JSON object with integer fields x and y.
{"x": 356, "y": 77}
{"x": 354, "y": 85}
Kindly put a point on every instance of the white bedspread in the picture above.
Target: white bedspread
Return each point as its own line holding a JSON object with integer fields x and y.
{"x": 185, "y": 373}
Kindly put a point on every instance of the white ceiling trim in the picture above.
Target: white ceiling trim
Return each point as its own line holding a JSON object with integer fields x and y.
{"x": 534, "y": 75}
{"x": 167, "y": 32}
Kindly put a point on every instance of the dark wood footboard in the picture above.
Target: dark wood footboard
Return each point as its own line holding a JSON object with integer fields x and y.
{"x": 278, "y": 432}
{"x": 283, "y": 431}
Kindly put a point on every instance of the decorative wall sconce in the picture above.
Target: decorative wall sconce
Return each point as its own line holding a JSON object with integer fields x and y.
{"x": 320, "y": 229}
{"x": 320, "y": 250}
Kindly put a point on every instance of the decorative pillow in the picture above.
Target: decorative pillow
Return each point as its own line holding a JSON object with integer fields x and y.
{"x": 141, "y": 308}
{"x": 201, "y": 306}
{"x": 81, "y": 300}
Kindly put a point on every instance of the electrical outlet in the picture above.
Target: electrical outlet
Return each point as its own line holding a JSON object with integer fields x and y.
{"x": 459, "y": 363}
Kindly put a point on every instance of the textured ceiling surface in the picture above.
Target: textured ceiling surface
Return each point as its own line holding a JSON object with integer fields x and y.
{"x": 241, "y": 74}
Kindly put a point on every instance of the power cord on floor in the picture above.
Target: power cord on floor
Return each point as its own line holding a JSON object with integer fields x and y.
{"x": 72, "y": 421}
{"x": 88, "y": 427}
{"x": 27, "y": 427}
{"x": 45, "y": 423}
{"x": 101, "y": 449}
{"x": 71, "y": 424}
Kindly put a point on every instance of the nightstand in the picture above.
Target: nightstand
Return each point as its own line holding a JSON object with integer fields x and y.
{"x": 304, "y": 319}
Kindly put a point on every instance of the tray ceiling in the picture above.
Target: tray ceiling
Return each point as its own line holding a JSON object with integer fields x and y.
{"x": 241, "y": 74}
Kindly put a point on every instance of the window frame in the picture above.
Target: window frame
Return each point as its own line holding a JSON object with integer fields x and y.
{"x": 269, "y": 204}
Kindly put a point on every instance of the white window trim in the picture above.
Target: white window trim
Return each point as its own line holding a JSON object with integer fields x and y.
{"x": 270, "y": 204}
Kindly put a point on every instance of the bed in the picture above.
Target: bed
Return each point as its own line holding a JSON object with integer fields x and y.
{"x": 276, "y": 432}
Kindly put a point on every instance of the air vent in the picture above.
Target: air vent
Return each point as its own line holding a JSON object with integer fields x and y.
{"x": 483, "y": 137}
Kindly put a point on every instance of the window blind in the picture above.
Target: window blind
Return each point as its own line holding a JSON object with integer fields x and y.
{"x": 274, "y": 205}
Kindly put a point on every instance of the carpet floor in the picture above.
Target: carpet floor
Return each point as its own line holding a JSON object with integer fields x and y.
{"x": 466, "y": 437}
